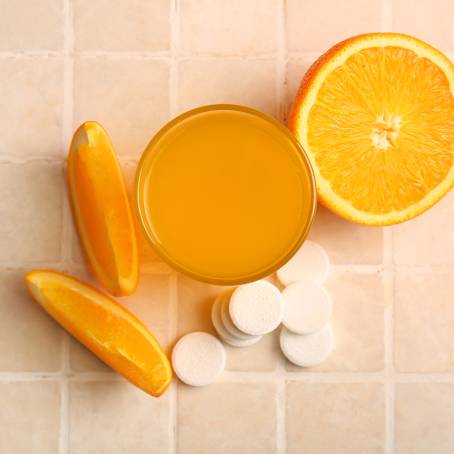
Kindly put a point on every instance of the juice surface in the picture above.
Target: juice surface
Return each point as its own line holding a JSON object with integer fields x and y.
{"x": 225, "y": 194}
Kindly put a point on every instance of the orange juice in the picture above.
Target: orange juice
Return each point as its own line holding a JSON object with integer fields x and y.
{"x": 225, "y": 194}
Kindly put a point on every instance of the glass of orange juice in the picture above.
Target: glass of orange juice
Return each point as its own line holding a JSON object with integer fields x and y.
{"x": 225, "y": 194}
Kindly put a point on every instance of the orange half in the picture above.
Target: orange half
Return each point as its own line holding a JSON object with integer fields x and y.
{"x": 375, "y": 114}
{"x": 105, "y": 327}
{"x": 101, "y": 209}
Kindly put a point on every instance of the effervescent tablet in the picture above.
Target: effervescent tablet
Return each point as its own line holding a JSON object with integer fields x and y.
{"x": 307, "y": 350}
{"x": 198, "y": 358}
{"x": 227, "y": 321}
{"x": 310, "y": 262}
{"x": 222, "y": 331}
{"x": 307, "y": 307}
{"x": 256, "y": 308}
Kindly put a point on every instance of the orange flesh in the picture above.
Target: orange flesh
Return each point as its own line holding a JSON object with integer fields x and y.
{"x": 373, "y": 113}
{"x": 105, "y": 327}
{"x": 225, "y": 195}
{"x": 101, "y": 210}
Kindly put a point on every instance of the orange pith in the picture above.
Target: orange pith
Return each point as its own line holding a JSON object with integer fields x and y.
{"x": 376, "y": 116}
{"x": 105, "y": 327}
{"x": 101, "y": 209}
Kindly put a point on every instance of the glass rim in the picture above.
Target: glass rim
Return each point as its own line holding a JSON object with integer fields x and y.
{"x": 148, "y": 231}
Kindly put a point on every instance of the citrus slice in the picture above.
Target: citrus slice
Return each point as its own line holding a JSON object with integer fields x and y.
{"x": 101, "y": 209}
{"x": 375, "y": 114}
{"x": 105, "y": 327}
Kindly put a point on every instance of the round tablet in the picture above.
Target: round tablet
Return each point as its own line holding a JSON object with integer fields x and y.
{"x": 311, "y": 263}
{"x": 307, "y": 307}
{"x": 227, "y": 321}
{"x": 222, "y": 331}
{"x": 256, "y": 308}
{"x": 198, "y": 358}
{"x": 307, "y": 350}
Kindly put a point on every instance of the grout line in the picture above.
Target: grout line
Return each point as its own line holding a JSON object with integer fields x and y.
{"x": 281, "y": 406}
{"x": 132, "y": 55}
{"x": 118, "y": 55}
{"x": 389, "y": 338}
{"x": 173, "y": 280}
{"x": 281, "y": 61}
{"x": 246, "y": 377}
{"x": 173, "y": 332}
{"x": 42, "y": 54}
{"x": 174, "y": 51}
{"x": 281, "y": 79}
{"x": 5, "y": 159}
{"x": 66, "y": 252}
{"x": 307, "y": 56}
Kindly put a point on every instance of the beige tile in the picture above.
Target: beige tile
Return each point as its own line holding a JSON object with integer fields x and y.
{"x": 31, "y": 26}
{"x": 430, "y": 21}
{"x": 31, "y": 212}
{"x": 316, "y": 26}
{"x": 424, "y": 418}
{"x": 136, "y": 25}
{"x": 335, "y": 418}
{"x": 115, "y": 417}
{"x": 431, "y": 232}
{"x": 358, "y": 318}
{"x": 248, "y": 82}
{"x": 129, "y": 97}
{"x": 296, "y": 68}
{"x": 31, "y": 90}
{"x": 233, "y": 27}
{"x": 29, "y": 417}
{"x": 150, "y": 303}
{"x": 424, "y": 322}
{"x": 29, "y": 339}
{"x": 346, "y": 242}
{"x": 226, "y": 418}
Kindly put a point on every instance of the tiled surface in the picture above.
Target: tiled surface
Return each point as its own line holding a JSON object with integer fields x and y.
{"x": 31, "y": 223}
{"x": 228, "y": 27}
{"x": 238, "y": 418}
{"x": 426, "y": 409}
{"x": 387, "y": 388}
{"x": 31, "y": 117}
{"x": 36, "y": 25}
{"x": 29, "y": 339}
{"x": 29, "y": 417}
{"x": 424, "y": 318}
{"x": 135, "y": 25}
{"x": 316, "y": 26}
{"x": 237, "y": 81}
{"x": 123, "y": 94}
{"x": 335, "y": 418}
{"x": 101, "y": 419}
{"x": 413, "y": 17}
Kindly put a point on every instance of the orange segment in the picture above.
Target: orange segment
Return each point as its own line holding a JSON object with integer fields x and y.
{"x": 101, "y": 209}
{"x": 105, "y": 327}
{"x": 376, "y": 116}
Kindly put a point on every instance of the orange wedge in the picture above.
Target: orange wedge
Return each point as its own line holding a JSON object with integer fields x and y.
{"x": 105, "y": 327}
{"x": 101, "y": 209}
{"x": 375, "y": 114}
